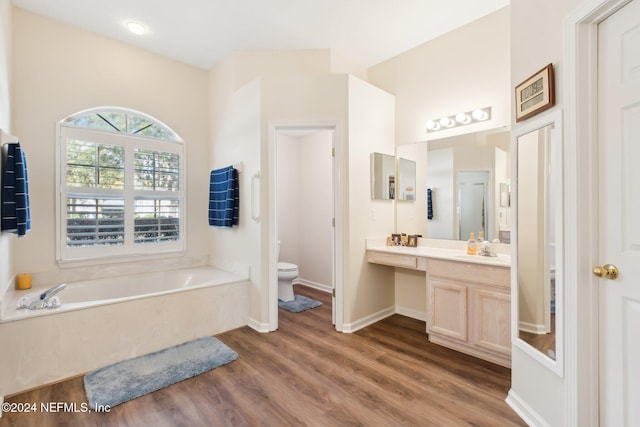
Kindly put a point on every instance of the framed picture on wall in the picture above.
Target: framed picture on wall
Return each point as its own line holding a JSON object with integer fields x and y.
{"x": 535, "y": 94}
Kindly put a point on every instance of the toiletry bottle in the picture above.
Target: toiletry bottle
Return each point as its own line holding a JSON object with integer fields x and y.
{"x": 480, "y": 237}
{"x": 471, "y": 246}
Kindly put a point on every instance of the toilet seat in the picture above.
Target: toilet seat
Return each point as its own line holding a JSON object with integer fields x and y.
{"x": 287, "y": 267}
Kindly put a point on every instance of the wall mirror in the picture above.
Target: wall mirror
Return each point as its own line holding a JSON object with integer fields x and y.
{"x": 383, "y": 176}
{"x": 537, "y": 254}
{"x": 466, "y": 175}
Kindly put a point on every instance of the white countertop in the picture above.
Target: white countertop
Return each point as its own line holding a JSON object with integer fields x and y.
{"x": 428, "y": 249}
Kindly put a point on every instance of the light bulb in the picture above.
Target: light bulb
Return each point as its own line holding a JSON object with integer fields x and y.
{"x": 444, "y": 121}
{"x": 479, "y": 115}
{"x": 463, "y": 118}
{"x": 431, "y": 125}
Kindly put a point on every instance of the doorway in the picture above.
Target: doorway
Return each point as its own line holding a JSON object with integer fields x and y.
{"x": 473, "y": 197}
{"x": 303, "y": 201}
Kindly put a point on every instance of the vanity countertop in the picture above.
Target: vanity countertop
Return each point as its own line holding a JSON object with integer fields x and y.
{"x": 437, "y": 252}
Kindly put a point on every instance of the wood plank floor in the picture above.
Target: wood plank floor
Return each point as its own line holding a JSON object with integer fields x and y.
{"x": 307, "y": 374}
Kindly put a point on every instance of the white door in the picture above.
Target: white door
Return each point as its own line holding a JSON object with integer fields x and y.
{"x": 472, "y": 199}
{"x": 619, "y": 216}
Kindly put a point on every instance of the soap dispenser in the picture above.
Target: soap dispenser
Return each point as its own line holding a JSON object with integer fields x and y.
{"x": 472, "y": 248}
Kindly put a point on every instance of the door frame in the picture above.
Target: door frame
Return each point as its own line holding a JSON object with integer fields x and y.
{"x": 338, "y": 210}
{"x": 581, "y": 209}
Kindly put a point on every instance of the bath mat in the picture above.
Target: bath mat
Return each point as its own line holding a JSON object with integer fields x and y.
{"x": 126, "y": 380}
{"x": 300, "y": 303}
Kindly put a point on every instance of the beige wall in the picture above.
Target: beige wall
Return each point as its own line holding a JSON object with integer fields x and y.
{"x": 365, "y": 115}
{"x": 542, "y": 390}
{"x": 369, "y": 288}
{"x": 6, "y": 256}
{"x": 464, "y": 69}
{"x": 60, "y": 71}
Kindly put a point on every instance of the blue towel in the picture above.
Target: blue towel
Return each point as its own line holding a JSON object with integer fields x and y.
{"x": 15, "y": 217}
{"x": 429, "y": 204}
{"x": 224, "y": 197}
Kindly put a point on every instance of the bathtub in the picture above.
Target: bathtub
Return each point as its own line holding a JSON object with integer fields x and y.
{"x": 90, "y": 293}
{"x": 102, "y": 321}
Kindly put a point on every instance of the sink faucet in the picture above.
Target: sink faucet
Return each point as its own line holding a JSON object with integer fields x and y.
{"x": 485, "y": 249}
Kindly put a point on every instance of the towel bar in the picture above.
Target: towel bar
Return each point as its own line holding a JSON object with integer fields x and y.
{"x": 255, "y": 203}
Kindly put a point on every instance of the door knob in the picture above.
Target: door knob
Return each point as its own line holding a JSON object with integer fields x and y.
{"x": 608, "y": 271}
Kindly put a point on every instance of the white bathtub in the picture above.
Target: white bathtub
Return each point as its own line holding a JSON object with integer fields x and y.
{"x": 103, "y": 321}
{"x": 91, "y": 293}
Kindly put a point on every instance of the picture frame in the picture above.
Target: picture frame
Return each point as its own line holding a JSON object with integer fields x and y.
{"x": 413, "y": 241}
{"x": 397, "y": 239}
{"x": 535, "y": 94}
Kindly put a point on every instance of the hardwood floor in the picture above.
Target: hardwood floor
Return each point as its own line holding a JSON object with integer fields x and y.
{"x": 306, "y": 373}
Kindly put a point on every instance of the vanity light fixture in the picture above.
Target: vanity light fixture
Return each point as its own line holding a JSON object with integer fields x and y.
{"x": 136, "y": 28}
{"x": 460, "y": 119}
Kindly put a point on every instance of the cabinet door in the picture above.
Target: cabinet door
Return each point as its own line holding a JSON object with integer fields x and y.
{"x": 447, "y": 309}
{"x": 492, "y": 316}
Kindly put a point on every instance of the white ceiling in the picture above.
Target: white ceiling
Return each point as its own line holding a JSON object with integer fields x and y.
{"x": 202, "y": 32}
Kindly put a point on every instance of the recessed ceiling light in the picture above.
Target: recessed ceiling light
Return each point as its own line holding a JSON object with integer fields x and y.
{"x": 136, "y": 28}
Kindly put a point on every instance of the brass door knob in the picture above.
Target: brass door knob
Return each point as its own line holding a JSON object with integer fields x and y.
{"x": 608, "y": 271}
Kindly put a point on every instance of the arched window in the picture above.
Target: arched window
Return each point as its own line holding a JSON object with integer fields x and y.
{"x": 120, "y": 174}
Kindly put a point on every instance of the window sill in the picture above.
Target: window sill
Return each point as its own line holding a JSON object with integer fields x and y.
{"x": 116, "y": 259}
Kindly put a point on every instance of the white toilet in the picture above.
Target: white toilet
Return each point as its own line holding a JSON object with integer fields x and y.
{"x": 287, "y": 273}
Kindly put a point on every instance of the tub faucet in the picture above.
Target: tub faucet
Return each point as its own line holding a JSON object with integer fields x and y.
{"x": 46, "y": 295}
{"x": 47, "y": 299}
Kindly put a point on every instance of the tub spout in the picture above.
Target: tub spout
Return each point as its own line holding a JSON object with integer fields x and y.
{"x": 46, "y": 295}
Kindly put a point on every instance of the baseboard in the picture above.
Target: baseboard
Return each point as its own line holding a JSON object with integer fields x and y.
{"x": 314, "y": 285}
{"x": 368, "y": 320}
{"x": 524, "y": 411}
{"x": 409, "y": 312}
{"x": 532, "y": 328}
{"x": 258, "y": 326}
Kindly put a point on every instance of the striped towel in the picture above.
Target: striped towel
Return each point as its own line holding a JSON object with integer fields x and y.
{"x": 224, "y": 197}
{"x": 429, "y": 204}
{"x": 15, "y": 216}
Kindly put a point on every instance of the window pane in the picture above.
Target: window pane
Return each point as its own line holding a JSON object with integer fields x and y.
{"x": 156, "y": 170}
{"x": 94, "y": 165}
{"x": 156, "y": 220}
{"x": 122, "y": 122}
{"x": 94, "y": 221}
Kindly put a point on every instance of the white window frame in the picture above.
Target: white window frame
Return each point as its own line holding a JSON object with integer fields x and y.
{"x": 129, "y": 250}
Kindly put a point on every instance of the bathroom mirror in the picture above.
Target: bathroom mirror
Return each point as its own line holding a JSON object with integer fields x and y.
{"x": 458, "y": 204}
{"x": 406, "y": 189}
{"x": 383, "y": 176}
{"x": 537, "y": 256}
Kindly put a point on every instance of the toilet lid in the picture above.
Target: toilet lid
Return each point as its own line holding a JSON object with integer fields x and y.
{"x": 286, "y": 266}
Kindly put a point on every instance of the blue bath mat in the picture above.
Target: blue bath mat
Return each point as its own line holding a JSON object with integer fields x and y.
{"x": 114, "y": 384}
{"x": 300, "y": 303}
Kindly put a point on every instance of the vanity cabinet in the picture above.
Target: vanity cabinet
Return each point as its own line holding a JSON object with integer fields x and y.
{"x": 469, "y": 308}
